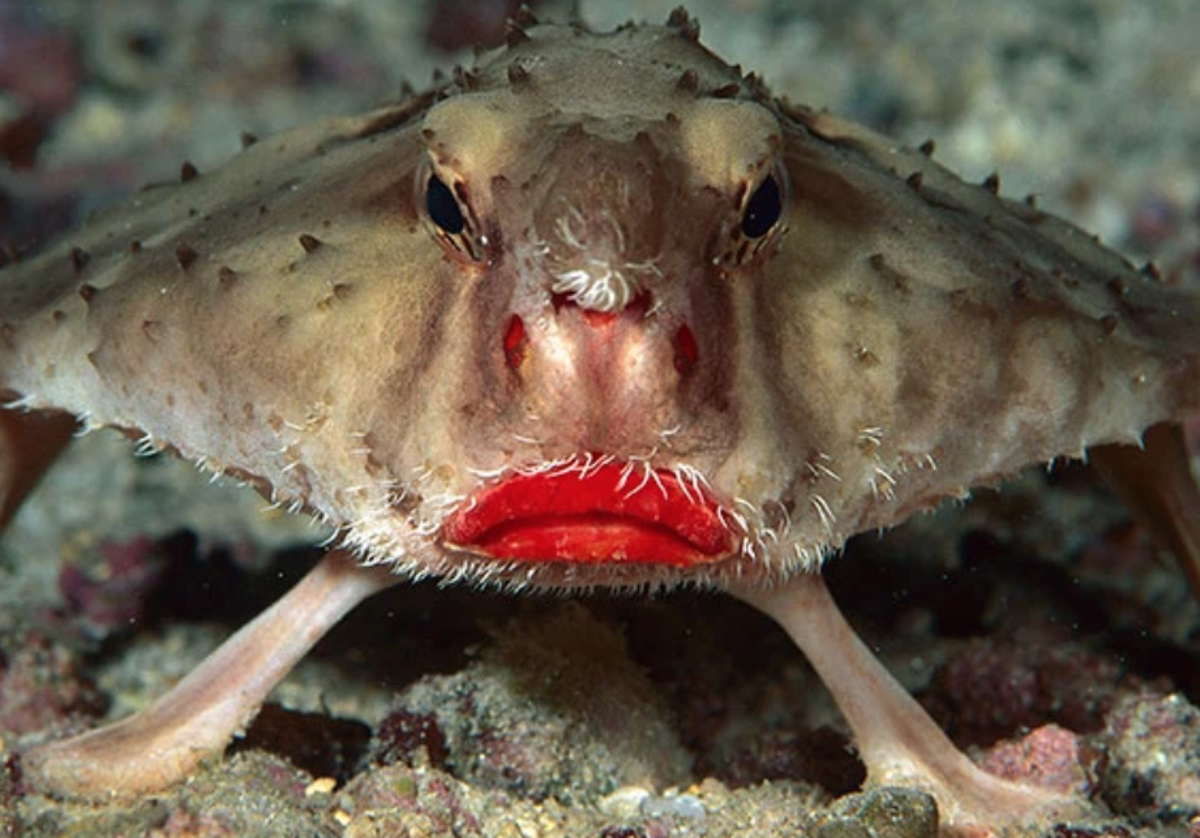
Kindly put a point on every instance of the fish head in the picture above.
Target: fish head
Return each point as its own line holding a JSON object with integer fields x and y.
{"x": 600, "y": 223}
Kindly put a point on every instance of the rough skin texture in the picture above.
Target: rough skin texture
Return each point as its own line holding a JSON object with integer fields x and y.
{"x": 849, "y": 375}
{"x": 876, "y": 422}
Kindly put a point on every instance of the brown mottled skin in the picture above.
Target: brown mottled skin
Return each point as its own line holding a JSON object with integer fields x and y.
{"x": 895, "y": 338}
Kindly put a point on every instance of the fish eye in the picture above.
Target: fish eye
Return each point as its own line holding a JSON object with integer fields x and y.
{"x": 762, "y": 210}
{"x": 754, "y": 232}
{"x": 443, "y": 208}
{"x": 450, "y": 218}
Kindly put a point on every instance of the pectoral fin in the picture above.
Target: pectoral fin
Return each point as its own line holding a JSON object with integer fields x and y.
{"x": 1157, "y": 484}
{"x": 29, "y": 443}
{"x": 896, "y": 739}
{"x": 195, "y": 720}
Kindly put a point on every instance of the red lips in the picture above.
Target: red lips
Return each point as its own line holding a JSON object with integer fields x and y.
{"x": 615, "y": 513}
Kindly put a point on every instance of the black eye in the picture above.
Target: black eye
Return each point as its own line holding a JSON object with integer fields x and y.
{"x": 443, "y": 209}
{"x": 762, "y": 210}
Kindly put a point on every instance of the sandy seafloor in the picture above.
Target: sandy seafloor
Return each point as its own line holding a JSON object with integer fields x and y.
{"x": 451, "y": 713}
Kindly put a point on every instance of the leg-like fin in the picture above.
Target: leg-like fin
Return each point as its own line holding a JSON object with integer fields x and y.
{"x": 897, "y": 740}
{"x": 195, "y": 720}
{"x": 29, "y": 443}
{"x": 1157, "y": 484}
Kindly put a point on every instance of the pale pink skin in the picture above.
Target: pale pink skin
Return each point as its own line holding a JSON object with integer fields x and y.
{"x": 897, "y": 337}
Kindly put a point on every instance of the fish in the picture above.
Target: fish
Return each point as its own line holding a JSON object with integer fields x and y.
{"x": 600, "y": 312}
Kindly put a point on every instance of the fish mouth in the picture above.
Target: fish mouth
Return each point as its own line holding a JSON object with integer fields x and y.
{"x": 616, "y": 513}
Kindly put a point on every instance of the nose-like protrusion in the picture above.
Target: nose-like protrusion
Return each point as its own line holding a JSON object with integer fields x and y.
{"x": 600, "y": 344}
{"x": 600, "y": 222}
{"x": 608, "y": 380}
